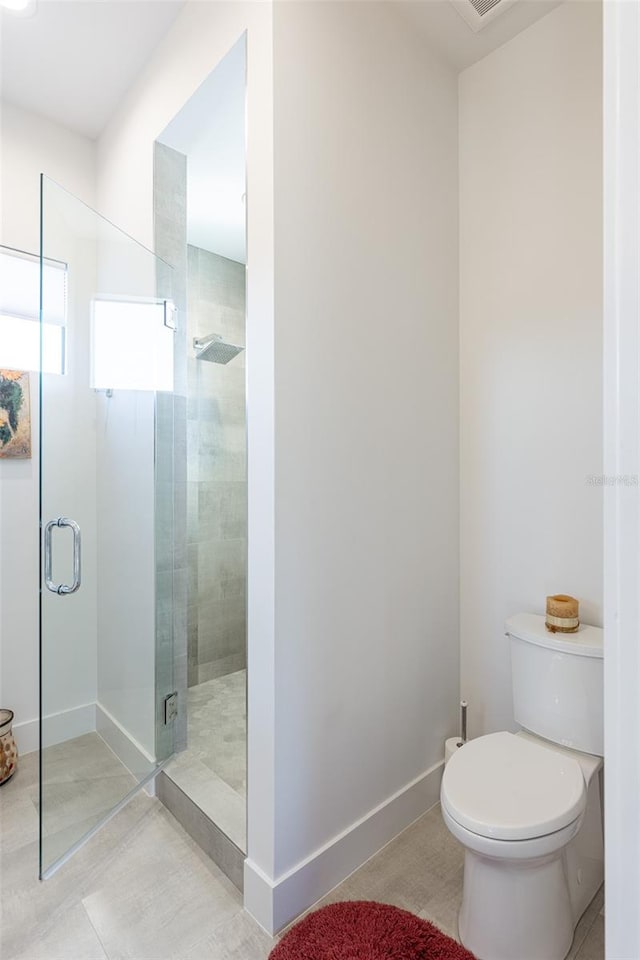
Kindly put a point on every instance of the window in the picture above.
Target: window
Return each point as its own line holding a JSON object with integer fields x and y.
{"x": 20, "y": 312}
{"x": 132, "y": 345}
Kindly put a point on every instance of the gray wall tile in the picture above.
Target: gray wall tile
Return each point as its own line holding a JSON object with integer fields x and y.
{"x": 216, "y": 465}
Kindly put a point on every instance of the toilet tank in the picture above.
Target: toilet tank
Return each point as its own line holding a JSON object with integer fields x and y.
{"x": 557, "y": 682}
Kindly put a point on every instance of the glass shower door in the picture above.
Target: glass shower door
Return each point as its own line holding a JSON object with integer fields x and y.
{"x": 106, "y": 641}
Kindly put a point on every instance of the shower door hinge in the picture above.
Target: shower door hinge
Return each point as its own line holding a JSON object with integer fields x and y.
{"x": 170, "y": 315}
{"x": 171, "y": 707}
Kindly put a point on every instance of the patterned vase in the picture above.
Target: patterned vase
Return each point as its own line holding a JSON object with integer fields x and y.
{"x": 8, "y": 749}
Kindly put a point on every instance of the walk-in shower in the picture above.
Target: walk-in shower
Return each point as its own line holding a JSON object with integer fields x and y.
{"x": 200, "y": 193}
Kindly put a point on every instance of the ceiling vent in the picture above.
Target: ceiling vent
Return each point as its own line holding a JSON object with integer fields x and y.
{"x": 478, "y": 13}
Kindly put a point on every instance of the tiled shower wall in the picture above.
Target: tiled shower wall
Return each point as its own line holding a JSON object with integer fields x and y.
{"x": 216, "y": 471}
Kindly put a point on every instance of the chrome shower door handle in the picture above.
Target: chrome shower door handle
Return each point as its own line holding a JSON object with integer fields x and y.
{"x": 62, "y": 588}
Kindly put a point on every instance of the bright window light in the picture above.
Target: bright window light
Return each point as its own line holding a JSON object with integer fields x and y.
{"x": 20, "y": 345}
{"x": 20, "y": 312}
{"x": 132, "y": 349}
{"x": 23, "y": 8}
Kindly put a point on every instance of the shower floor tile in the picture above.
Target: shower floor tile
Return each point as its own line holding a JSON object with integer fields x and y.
{"x": 212, "y": 771}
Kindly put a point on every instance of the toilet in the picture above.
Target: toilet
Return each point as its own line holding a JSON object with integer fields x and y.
{"x": 527, "y": 806}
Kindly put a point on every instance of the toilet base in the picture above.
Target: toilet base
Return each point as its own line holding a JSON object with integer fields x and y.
{"x": 518, "y": 908}
{"x": 528, "y": 908}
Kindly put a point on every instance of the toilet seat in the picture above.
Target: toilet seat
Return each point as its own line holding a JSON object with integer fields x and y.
{"x": 505, "y": 787}
{"x": 510, "y": 851}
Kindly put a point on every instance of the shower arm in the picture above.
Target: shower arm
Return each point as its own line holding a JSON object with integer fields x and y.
{"x": 200, "y": 342}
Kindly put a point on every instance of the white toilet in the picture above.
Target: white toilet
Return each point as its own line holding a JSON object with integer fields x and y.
{"x": 527, "y": 806}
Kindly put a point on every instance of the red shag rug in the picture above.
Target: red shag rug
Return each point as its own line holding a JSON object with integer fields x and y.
{"x": 361, "y": 930}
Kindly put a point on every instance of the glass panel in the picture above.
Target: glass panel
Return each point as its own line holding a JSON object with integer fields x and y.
{"x": 105, "y": 667}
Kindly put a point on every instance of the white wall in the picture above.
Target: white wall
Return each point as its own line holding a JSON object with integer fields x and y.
{"x": 530, "y": 340}
{"x": 126, "y": 673}
{"x": 127, "y": 666}
{"x": 31, "y": 145}
{"x": 366, "y": 419}
{"x": 69, "y": 635}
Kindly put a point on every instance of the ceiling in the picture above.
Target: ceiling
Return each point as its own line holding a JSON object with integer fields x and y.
{"x": 74, "y": 60}
{"x": 444, "y": 29}
{"x": 210, "y": 131}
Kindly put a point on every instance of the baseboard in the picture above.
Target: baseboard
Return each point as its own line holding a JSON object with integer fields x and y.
{"x": 213, "y": 669}
{"x": 128, "y": 750}
{"x": 58, "y": 727}
{"x": 275, "y": 903}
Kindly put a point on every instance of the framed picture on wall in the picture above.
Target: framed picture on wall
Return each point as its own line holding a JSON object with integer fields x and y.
{"x": 15, "y": 415}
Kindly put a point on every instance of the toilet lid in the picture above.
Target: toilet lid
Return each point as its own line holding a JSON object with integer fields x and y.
{"x": 506, "y": 787}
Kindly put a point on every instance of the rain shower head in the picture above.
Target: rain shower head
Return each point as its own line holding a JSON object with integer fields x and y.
{"x": 215, "y": 349}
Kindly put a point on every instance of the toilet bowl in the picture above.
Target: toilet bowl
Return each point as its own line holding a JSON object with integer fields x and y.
{"x": 519, "y": 807}
{"x": 527, "y": 807}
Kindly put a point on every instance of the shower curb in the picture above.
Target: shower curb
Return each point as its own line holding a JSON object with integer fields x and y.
{"x": 209, "y": 837}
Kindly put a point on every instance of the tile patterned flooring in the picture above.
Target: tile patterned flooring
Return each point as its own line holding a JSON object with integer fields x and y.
{"x": 142, "y": 890}
{"x": 212, "y": 771}
{"x": 84, "y": 781}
